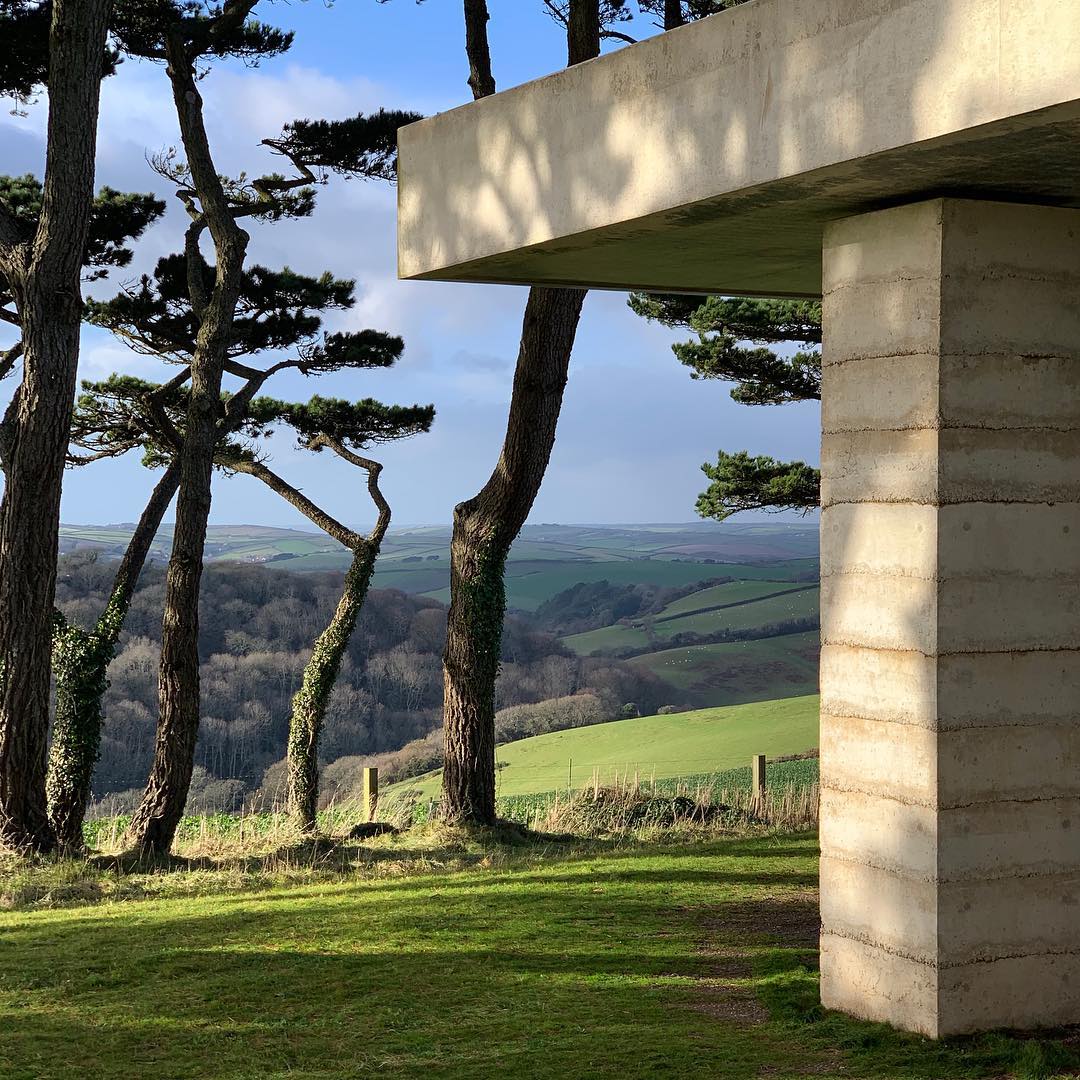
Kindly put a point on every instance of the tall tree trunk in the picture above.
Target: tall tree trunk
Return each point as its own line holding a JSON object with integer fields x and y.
{"x": 486, "y": 526}
{"x": 44, "y": 274}
{"x": 154, "y": 824}
{"x": 311, "y": 700}
{"x": 481, "y": 81}
{"x": 673, "y": 16}
{"x": 81, "y": 660}
{"x": 484, "y": 529}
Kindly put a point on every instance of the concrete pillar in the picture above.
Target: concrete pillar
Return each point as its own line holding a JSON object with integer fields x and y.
{"x": 950, "y": 741}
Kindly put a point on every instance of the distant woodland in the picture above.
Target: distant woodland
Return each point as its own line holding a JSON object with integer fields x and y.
{"x": 256, "y": 629}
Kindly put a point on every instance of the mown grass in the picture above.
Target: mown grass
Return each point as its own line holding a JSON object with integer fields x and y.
{"x": 540, "y": 961}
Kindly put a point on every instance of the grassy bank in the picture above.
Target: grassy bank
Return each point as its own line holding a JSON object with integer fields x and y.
{"x": 650, "y": 747}
{"x": 539, "y": 961}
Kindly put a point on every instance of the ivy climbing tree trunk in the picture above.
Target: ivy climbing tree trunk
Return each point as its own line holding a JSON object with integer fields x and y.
{"x": 484, "y": 529}
{"x": 310, "y": 702}
{"x": 43, "y": 271}
{"x": 486, "y": 525}
{"x": 154, "y": 824}
{"x": 81, "y": 660}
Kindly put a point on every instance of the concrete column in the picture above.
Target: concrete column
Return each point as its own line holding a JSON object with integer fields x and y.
{"x": 950, "y": 741}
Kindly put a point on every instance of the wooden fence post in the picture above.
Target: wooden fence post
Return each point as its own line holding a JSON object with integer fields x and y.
{"x": 371, "y": 793}
{"x": 757, "y": 770}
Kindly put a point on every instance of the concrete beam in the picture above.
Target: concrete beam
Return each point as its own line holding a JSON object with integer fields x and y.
{"x": 710, "y": 158}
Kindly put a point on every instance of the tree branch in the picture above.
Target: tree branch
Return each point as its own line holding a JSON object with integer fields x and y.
{"x": 8, "y": 359}
{"x": 315, "y": 514}
{"x": 373, "y": 469}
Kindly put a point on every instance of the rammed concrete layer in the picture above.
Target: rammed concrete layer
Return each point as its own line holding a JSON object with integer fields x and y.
{"x": 875, "y": 984}
{"x": 980, "y": 843}
{"x": 950, "y": 738}
{"x": 710, "y": 158}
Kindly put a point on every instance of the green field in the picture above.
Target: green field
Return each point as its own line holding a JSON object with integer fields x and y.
{"x": 738, "y": 671}
{"x": 739, "y": 605}
{"x": 682, "y": 744}
{"x": 544, "y": 963}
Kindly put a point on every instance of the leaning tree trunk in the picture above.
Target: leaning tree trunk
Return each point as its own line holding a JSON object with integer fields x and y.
{"x": 311, "y": 700}
{"x": 81, "y": 660}
{"x": 154, "y": 823}
{"x": 43, "y": 272}
{"x": 484, "y": 529}
{"x": 320, "y": 673}
{"x": 486, "y": 526}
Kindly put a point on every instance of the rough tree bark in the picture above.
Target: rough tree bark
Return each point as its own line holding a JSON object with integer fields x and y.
{"x": 321, "y": 671}
{"x": 154, "y": 824}
{"x": 673, "y": 16}
{"x": 486, "y": 525}
{"x": 81, "y": 660}
{"x": 43, "y": 271}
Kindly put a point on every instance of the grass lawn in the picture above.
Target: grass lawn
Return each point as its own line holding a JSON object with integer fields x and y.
{"x": 682, "y": 744}
{"x": 692, "y": 961}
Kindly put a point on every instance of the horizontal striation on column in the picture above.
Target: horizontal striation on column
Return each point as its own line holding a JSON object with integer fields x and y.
{"x": 871, "y": 983}
{"x": 983, "y": 921}
{"x": 1017, "y": 688}
{"x": 982, "y": 843}
{"x": 886, "y": 611}
{"x": 949, "y": 923}
{"x": 941, "y": 466}
{"x": 954, "y": 768}
{"x": 1020, "y": 993}
{"x": 951, "y": 691}
{"x": 880, "y": 684}
{"x": 999, "y": 309}
{"x": 865, "y": 903}
{"x": 1010, "y": 840}
{"x": 888, "y": 393}
{"x": 872, "y": 829}
{"x": 1019, "y": 764}
{"x": 899, "y": 539}
{"x": 975, "y": 540}
{"x": 903, "y": 243}
{"x": 880, "y": 611}
{"x": 1010, "y": 390}
{"x": 894, "y": 761}
{"x": 905, "y": 321}
{"x": 1006, "y": 613}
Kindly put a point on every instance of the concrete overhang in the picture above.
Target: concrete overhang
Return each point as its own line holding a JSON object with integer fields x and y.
{"x": 711, "y": 157}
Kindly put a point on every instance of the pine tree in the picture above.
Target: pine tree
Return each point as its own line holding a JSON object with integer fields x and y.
{"x": 116, "y": 219}
{"x": 277, "y": 311}
{"x": 61, "y": 45}
{"x": 762, "y": 376}
{"x": 486, "y": 525}
{"x": 188, "y": 35}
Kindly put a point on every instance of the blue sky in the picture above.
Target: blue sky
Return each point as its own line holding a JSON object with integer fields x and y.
{"x": 634, "y": 428}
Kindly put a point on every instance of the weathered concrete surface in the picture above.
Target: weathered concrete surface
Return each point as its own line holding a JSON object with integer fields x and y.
{"x": 950, "y": 616}
{"x": 710, "y": 158}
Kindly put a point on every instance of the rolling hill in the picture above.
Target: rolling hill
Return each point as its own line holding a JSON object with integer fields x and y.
{"x": 738, "y": 671}
{"x": 681, "y": 744}
{"x": 545, "y": 560}
{"x": 735, "y": 606}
